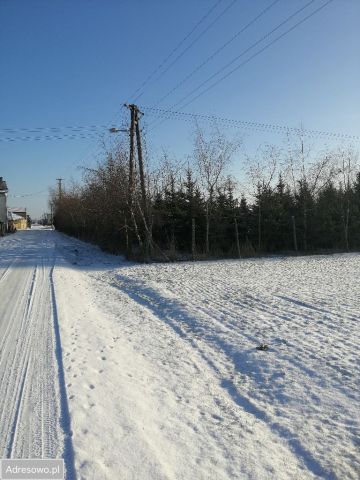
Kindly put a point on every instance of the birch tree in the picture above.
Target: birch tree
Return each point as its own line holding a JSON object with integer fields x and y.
{"x": 213, "y": 156}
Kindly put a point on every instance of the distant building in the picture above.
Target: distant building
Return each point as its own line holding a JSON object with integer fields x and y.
{"x": 18, "y": 218}
{"x": 3, "y": 207}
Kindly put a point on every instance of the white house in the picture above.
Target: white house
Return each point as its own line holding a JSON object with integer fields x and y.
{"x": 3, "y": 208}
{"x": 18, "y": 218}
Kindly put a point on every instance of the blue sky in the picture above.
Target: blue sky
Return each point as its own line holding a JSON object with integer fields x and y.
{"x": 75, "y": 62}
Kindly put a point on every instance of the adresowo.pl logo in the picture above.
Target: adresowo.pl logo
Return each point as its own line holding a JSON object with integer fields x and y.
{"x": 32, "y": 469}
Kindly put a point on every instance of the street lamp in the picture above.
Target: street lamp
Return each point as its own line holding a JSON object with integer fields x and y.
{"x": 117, "y": 130}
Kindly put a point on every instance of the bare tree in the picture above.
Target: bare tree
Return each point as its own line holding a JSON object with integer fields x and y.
{"x": 308, "y": 173}
{"x": 263, "y": 170}
{"x": 213, "y": 156}
{"x": 347, "y": 162}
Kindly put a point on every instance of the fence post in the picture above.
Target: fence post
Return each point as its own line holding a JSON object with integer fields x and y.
{"x": 294, "y": 233}
{"x": 237, "y": 238}
{"x": 193, "y": 239}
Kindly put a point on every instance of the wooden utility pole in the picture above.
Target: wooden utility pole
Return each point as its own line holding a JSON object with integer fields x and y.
{"x": 140, "y": 158}
{"x": 132, "y": 179}
{"x": 135, "y": 130}
{"x": 131, "y": 157}
{"x": 59, "y": 181}
{"x": 143, "y": 207}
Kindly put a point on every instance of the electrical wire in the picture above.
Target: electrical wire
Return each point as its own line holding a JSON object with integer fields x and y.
{"x": 72, "y": 136}
{"x": 147, "y": 80}
{"x": 50, "y": 133}
{"x": 244, "y": 52}
{"x": 29, "y": 194}
{"x": 174, "y": 50}
{"x": 177, "y": 115}
{"x": 201, "y": 34}
{"x": 250, "y": 58}
{"x": 53, "y": 129}
{"x": 256, "y": 54}
{"x": 217, "y": 51}
{"x": 90, "y": 149}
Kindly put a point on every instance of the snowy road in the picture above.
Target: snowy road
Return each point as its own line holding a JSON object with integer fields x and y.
{"x": 33, "y": 412}
{"x": 155, "y": 367}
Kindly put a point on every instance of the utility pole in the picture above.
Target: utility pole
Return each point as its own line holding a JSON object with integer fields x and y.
{"x": 131, "y": 157}
{"x": 140, "y": 158}
{"x": 59, "y": 181}
{"x": 135, "y": 115}
{"x": 135, "y": 130}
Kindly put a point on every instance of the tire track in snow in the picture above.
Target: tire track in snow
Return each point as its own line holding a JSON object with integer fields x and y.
{"x": 14, "y": 427}
{"x": 31, "y": 399}
{"x": 13, "y": 398}
{"x": 6, "y": 271}
{"x": 14, "y": 310}
{"x": 16, "y": 360}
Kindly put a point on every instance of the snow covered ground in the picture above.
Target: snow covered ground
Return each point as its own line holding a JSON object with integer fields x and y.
{"x": 152, "y": 372}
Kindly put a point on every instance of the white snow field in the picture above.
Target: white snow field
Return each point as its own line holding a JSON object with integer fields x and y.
{"x": 152, "y": 372}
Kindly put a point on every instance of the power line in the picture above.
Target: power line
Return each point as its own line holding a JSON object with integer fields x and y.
{"x": 251, "y": 57}
{"x": 29, "y": 194}
{"x": 89, "y": 149}
{"x": 72, "y": 136}
{"x": 244, "y": 52}
{"x": 255, "y": 54}
{"x": 52, "y": 133}
{"x": 175, "y": 49}
{"x": 201, "y": 34}
{"x": 220, "y": 49}
{"x": 52, "y": 129}
{"x": 246, "y": 124}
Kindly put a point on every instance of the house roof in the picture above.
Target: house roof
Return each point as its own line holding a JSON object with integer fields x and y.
{"x": 14, "y": 216}
{"x": 17, "y": 210}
